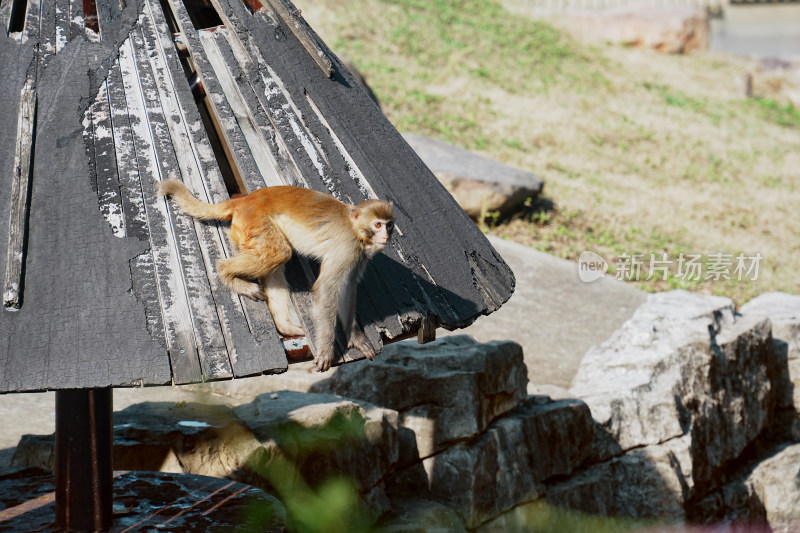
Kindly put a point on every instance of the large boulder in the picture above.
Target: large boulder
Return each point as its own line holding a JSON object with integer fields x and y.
{"x": 649, "y": 482}
{"x": 684, "y": 386}
{"x": 776, "y": 485}
{"x": 481, "y": 186}
{"x": 783, "y": 310}
{"x": 320, "y": 437}
{"x": 195, "y": 438}
{"x": 444, "y": 391}
{"x": 509, "y": 463}
{"x": 667, "y": 29}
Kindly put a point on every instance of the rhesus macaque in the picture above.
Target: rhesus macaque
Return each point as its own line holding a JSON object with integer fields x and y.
{"x": 268, "y": 223}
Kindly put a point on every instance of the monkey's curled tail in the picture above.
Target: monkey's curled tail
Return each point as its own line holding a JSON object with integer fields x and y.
{"x": 191, "y": 205}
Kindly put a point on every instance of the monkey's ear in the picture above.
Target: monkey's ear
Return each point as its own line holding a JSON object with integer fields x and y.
{"x": 354, "y": 213}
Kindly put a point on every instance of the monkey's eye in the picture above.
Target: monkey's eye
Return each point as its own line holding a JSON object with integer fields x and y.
{"x": 378, "y": 225}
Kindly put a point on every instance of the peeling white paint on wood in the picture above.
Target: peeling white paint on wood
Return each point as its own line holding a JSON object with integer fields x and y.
{"x": 179, "y": 329}
{"x": 94, "y": 123}
{"x": 259, "y": 148}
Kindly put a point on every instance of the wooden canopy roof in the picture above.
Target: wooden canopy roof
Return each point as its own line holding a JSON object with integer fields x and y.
{"x": 106, "y": 284}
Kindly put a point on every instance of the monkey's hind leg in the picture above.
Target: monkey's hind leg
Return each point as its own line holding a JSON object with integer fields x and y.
{"x": 237, "y": 273}
{"x": 278, "y": 300}
{"x": 260, "y": 253}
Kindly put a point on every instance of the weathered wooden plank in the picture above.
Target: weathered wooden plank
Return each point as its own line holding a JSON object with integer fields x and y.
{"x": 179, "y": 329}
{"x": 103, "y": 170}
{"x": 31, "y": 26}
{"x": 294, "y": 20}
{"x": 47, "y": 35}
{"x": 75, "y": 17}
{"x": 144, "y": 282}
{"x": 193, "y": 280}
{"x": 259, "y": 349}
{"x": 133, "y": 212}
{"x": 107, "y": 11}
{"x": 233, "y": 140}
{"x": 266, "y": 102}
{"x": 18, "y": 210}
{"x": 256, "y": 141}
{"x": 5, "y": 14}
{"x": 62, "y": 24}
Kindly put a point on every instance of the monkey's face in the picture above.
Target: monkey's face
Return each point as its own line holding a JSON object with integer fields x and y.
{"x": 381, "y": 231}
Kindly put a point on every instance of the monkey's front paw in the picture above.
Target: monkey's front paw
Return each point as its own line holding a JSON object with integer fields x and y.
{"x": 360, "y": 341}
{"x": 324, "y": 361}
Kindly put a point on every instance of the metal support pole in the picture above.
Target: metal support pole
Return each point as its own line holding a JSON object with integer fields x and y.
{"x": 84, "y": 467}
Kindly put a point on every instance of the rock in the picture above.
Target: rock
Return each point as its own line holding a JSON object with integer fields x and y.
{"x": 35, "y": 451}
{"x": 481, "y": 186}
{"x": 316, "y": 437}
{"x": 776, "y": 483}
{"x": 195, "y": 438}
{"x": 323, "y": 436}
{"x": 647, "y": 482}
{"x": 683, "y": 364}
{"x": 444, "y": 391}
{"x": 416, "y": 515}
{"x": 777, "y": 79}
{"x": 511, "y": 460}
{"x": 667, "y": 29}
{"x": 167, "y": 437}
{"x": 783, "y": 310}
{"x": 563, "y": 317}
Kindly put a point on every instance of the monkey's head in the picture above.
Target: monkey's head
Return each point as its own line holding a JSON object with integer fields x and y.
{"x": 373, "y": 221}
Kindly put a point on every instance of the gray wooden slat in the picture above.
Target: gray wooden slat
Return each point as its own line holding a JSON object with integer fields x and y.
{"x": 259, "y": 349}
{"x": 209, "y": 339}
{"x": 62, "y": 22}
{"x": 18, "y": 210}
{"x": 47, "y": 35}
{"x": 244, "y": 164}
{"x": 145, "y": 287}
{"x": 133, "y": 211}
{"x": 103, "y": 171}
{"x": 31, "y": 21}
{"x": 178, "y": 328}
{"x": 253, "y": 135}
{"x": 292, "y": 18}
{"x": 75, "y": 19}
{"x": 107, "y": 11}
{"x": 5, "y": 15}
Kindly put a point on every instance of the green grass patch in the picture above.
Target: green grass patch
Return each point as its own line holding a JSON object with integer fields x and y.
{"x": 782, "y": 115}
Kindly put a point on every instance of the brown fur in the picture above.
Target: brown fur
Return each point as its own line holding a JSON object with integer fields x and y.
{"x": 268, "y": 223}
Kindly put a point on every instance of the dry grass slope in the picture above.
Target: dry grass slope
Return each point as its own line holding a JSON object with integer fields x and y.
{"x": 640, "y": 152}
